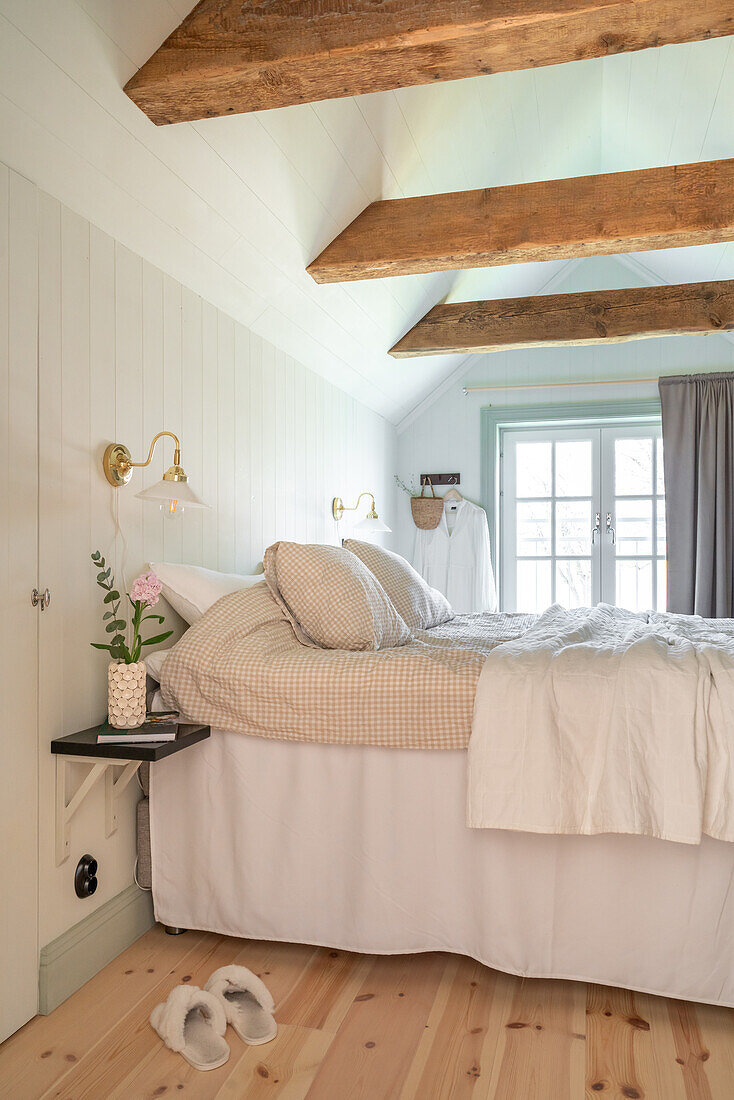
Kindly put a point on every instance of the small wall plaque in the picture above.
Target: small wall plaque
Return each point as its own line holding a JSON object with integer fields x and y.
{"x": 441, "y": 479}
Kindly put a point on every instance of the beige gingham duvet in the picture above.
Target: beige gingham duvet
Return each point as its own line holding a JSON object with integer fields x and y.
{"x": 241, "y": 668}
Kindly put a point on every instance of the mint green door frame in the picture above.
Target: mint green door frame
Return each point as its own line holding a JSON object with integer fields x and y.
{"x": 494, "y": 420}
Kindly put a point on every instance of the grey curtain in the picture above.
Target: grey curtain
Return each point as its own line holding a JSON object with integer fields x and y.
{"x": 698, "y": 437}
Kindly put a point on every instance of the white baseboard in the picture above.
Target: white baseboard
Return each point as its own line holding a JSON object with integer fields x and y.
{"x": 79, "y": 953}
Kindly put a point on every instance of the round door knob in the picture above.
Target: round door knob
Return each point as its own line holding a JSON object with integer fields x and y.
{"x": 42, "y": 598}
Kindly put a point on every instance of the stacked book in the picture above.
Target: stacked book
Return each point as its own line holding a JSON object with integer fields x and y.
{"x": 155, "y": 728}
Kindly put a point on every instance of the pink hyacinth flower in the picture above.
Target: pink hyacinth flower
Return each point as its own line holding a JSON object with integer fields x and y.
{"x": 146, "y": 589}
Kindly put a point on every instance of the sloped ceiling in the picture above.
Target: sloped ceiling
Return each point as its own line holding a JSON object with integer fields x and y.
{"x": 236, "y": 207}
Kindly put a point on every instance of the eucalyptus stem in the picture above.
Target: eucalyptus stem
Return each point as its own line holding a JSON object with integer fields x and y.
{"x": 117, "y": 646}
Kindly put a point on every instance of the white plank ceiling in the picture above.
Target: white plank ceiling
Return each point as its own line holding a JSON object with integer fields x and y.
{"x": 236, "y": 207}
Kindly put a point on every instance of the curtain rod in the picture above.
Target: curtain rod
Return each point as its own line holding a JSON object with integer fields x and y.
{"x": 554, "y": 385}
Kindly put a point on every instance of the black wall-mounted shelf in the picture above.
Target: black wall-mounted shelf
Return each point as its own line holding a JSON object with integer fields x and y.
{"x": 85, "y": 744}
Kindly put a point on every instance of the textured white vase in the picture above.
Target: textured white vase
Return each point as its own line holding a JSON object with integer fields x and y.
{"x": 126, "y": 695}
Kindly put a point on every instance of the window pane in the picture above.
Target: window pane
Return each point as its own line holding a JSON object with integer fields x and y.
{"x": 662, "y": 543}
{"x": 534, "y": 469}
{"x": 573, "y": 583}
{"x": 533, "y": 585}
{"x": 632, "y": 467}
{"x": 662, "y": 586}
{"x": 573, "y": 528}
{"x": 661, "y": 472}
{"x": 633, "y": 523}
{"x": 634, "y": 585}
{"x": 573, "y": 468}
{"x": 533, "y": 528}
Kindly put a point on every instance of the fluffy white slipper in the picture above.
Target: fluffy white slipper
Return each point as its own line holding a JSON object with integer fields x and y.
{"x": 192, "y": 1022}
{"x": 247, "y": 1002}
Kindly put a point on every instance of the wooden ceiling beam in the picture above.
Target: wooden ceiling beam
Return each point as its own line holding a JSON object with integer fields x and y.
{"x": 563, "y": 320}
{"x": 619, "y": 212}
{"x": 232, "y": 56}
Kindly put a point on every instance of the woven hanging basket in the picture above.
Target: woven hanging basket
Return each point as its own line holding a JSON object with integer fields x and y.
{"x": 427, "y": 511}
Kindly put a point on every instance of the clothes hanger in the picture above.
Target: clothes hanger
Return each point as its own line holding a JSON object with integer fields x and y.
{"x": 452, "y": 494}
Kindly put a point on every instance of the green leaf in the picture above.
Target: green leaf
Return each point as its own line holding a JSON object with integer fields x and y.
{"x": 116, "y": 624}
{"x": 103, "y": 576}
{"x": 108, "y": 615}
{"x": 96, "y": 555}
{"x": 158, "y": 638}
{"x": 160, "y": 618}
{"x": 112, "y": 596}
{"x": 99, "y": 645}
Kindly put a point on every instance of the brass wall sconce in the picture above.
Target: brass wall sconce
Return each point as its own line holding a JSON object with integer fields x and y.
{"x": 172, "y": 492}
{"x": 371, "y": 522}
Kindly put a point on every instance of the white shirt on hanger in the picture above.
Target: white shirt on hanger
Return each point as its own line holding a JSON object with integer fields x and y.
{"x": 455, "y": 558}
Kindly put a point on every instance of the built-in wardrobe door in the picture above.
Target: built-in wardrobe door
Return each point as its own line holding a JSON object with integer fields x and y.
{"x": 19, "y": 619}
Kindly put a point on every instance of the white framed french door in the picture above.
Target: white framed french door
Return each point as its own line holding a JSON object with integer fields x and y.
{"x": 582, "y": 516}
{"x": 633, "y": 517}
{"x": 550, "y": 493}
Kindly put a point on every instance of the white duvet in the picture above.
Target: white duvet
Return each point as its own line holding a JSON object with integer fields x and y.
{"x": 602, "y": 721}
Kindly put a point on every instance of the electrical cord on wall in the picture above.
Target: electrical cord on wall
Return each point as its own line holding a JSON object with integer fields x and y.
{"x": 145, "y": 889}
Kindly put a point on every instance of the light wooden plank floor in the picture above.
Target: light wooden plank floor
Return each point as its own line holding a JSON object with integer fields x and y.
{"x": 411, "y": 1027}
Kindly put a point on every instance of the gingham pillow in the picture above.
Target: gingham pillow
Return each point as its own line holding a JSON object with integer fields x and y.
{"x": 420, "y": 606}
{"x": 332, "y": 598}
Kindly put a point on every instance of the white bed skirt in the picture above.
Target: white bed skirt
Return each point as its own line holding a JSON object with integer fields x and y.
{"x": 366, "y": 849}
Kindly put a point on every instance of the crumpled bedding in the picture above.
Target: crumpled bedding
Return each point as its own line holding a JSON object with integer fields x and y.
{"x": 240, "y": 667}
{"x": 604, "y": 721}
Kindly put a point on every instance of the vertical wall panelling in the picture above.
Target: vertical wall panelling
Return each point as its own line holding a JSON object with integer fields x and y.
{"x": 225, "y": 437}
{"x": 319, "y": 490}
{"x": 192, "y": 418}
{"x": 156, "y": 333}
{"x": 122, "y": 351}
{"x": 290, "y": 494}
{"x": 173, "y": 407}
{"x": 311, "y": 486}
{"x": 210, "y": 453}
{"x": 75, "y": 484}
{"x": 330, "y": 455}
{"x": 281, "y": 474}
{"x": 271, "y": 437}
{"x": 299, "y": 433}
{"x": 256, "y": 443}
{"x": 243, "y": 488}
{"x": 51, "y": 563}
{"x": 129, "y": 402}
{"x": 102, "y": 430}
{"x": 18, "y": 576}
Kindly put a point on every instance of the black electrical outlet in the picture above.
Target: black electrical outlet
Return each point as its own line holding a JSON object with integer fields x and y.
{"x": 85, "y": 877}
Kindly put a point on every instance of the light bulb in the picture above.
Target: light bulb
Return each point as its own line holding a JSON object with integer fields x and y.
{"x": 171, "y": 508}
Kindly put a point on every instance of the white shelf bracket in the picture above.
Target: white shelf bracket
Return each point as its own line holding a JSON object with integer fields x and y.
{"x": 113, "y": 789}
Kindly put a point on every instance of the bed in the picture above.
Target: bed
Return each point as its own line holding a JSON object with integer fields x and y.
{"x": 366, "y": 849}
{"x": 328, "y": 809}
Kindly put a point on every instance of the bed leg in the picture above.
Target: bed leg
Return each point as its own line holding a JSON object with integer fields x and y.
{"x": 171, "y": 930}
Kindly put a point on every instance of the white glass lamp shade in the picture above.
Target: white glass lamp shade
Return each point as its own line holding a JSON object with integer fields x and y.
{"x": 172, "y": 496}
{"x": 372, "y": 525}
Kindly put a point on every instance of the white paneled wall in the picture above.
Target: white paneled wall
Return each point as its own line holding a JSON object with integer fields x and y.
{"x": 124, "y": 351}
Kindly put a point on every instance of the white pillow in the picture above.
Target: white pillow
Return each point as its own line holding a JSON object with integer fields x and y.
{"x": 191, "y": 590}
{"x": 154, "y": 663}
